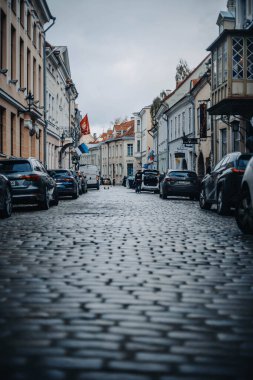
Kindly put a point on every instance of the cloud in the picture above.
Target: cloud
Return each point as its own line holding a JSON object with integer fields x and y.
{"x": 124, "y": 52}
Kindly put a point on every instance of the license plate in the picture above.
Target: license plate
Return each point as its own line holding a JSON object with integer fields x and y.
{"x": 182, "y": 183}
{"x": 13, "y": 183}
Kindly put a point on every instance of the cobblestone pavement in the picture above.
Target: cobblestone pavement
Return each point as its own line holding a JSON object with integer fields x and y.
{"x": 125, "y": 286}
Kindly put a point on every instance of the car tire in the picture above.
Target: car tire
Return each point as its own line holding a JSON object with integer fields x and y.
{"x": 204, "y": 205}
{"x": 7, "y": 201}
{"x": 76, "y": 194}
{"x": 97, "y": 187}
{"x": 55, "y": 201}
{"x": 244, "y": 213}
{"x": 222, "y": 206}
{"x": 45, "y": 203}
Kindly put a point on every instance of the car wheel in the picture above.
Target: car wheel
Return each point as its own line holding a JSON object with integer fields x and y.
{"x": 45, "y": 203}
{"x": 222, "y": 207}
{"x": 97, "y": 187}
{"x": 7, "y": 203}
{"x": 76, "y": 194}
{"x": 202, "y": 200}
{"x": 244, "y": 213}
{"x": 55, "y": 201}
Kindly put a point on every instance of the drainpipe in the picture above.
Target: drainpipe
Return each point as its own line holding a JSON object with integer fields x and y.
{"x": 45, "y": 92}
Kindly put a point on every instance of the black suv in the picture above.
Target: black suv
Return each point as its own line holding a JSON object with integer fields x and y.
{"x": 222, "y": 185}
{"x": 30, "y": 182}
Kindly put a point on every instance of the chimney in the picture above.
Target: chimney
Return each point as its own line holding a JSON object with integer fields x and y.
{"x": 231, "y": 5}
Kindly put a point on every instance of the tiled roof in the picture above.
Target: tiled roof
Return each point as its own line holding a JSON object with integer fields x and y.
{"x": 130, "y": 131}
{"x": 123, "y": 126}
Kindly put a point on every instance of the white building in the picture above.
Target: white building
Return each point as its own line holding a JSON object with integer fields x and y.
{"x": 143, "y": 142}
{"x": 61, "y": 109}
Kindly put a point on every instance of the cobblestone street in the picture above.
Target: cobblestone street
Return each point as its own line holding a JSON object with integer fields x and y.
{"x": 123, "y": 286}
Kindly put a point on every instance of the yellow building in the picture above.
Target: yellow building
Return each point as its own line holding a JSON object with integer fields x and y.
{"x": 21, "y": 77}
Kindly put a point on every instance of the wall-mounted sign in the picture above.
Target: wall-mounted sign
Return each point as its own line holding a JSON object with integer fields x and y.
{"x": 190, "y": 140}
{"x": 179, "y": 155}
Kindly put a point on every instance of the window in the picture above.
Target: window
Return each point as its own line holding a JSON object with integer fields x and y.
{"x": 34, "y": 34}
{"x": 236, "y": 141}
{"x": 130, "y": 149}
{"x": 219, "y": 64}
{"x": 171, "y": 126}
{"x": 2, "y": 117}
{"x": 183, "y": 122}
{"x": 40, "y": 84}
{"x": 175, "y": 127}
{"x": 237, "y": 57}
{"x": 21, "y": 128}
{"x": 250, "y": 58}
{"x": 179, "y": 124}
{"x": 13, "y": 120}
{"x": 40, "y": 46}
{"x": 21, "y": 62}
{"x": 29, "y": 23}
{"x": 22, "y": 12}
{"x": 138, "y": 146}
{"x": 190, "y": 119}
{"x": 225, "y": 61}
{"x": 214, "y": 69}
{"x": 223, "y": 142}
{"x": 130, "y": 169}
{"x": 3, "y": 45}
{"x": 34, "y": 79}
{"x": 13, "y": 52}
{"x": 138, "y": 125}
{"x": 28, "y": 71}
{"x": 13, "y": 6}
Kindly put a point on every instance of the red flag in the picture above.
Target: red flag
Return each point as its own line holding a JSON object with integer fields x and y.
{"x": 84, "y": 125}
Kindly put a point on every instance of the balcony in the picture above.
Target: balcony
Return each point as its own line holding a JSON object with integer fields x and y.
{"x": 232, "y": 73}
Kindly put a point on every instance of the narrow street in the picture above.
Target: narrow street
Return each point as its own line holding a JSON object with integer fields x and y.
{"x": 123, "y": 286}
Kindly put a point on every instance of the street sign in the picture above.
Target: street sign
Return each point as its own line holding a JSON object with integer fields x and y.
{"x": 190, "y": 140}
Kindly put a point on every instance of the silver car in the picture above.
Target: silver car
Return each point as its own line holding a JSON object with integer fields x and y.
{"x": 244, "y": 210}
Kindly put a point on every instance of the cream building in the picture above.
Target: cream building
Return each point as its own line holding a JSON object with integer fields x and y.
{"x": 143, "y": 142}
{"x": 21, "y": 77}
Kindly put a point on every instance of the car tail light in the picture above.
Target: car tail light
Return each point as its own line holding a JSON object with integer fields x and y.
{"x": 30, "y": 177}
{"x": 238, "y": 171}
{"x": 68, "y": 180}
{"x": 169, "y": 180}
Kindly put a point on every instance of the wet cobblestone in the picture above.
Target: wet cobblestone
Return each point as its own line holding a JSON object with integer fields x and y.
{"x": 125, "y": 286}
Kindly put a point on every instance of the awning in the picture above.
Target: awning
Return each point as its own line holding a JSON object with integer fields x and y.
{"x": 233, "y": 106}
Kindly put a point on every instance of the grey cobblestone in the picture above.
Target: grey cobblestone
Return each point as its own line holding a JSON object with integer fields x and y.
{"x": 115, "y": 286}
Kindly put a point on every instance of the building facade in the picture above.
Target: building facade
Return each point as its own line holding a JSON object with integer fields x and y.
{"x": 143, "y": 143}
{"x": 21, "y": 77}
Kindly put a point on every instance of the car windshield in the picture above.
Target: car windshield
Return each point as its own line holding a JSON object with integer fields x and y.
{"x": 13, "y": 167}
{"x": 243, "y": 161}
{"x": 59, "y": 173}
{"x": 183, "y": 174}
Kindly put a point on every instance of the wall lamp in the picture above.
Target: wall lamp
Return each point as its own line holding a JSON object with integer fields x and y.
{"x": 3, "y": 71}
{"x": 13, "y": 81}
{"x": 22, "y": 89}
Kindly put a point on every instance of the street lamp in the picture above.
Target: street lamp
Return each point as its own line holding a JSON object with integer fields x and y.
{"x": 30, "y": 100}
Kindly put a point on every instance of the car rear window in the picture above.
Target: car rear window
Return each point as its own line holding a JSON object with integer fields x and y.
{"x": 243, "y": 161}
{"x": 183, "y": 174}
{"x": 13, "y": 167}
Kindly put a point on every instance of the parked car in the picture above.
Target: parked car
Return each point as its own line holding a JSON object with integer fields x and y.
{"x": 244, "y": 209}
{"x": 180, "y": 183}
{"x": 83, "y": 180}
{"x": 30, "y": 182}
{"x": 130, "y": 182}
{"x": 150, "y": 180}
{"x": 92, "y": 175}
{"x": 66, "y": 183}
{"x": 221, "y": 186}
{"x": 78, "y": 180}
{"x": 5, "y": 197}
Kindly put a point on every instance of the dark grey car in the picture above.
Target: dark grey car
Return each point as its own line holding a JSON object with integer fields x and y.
{"x": 222, "y": 185}
{"x": 5, "y": 197}
{"x": 30, "y": 182}
{"x": 180, "y": 183}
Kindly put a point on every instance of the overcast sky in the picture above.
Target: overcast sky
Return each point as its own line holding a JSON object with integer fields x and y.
{"x": 123, "y": 53}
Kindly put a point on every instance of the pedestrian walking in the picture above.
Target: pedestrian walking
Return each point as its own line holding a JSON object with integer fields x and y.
{"x": 138, "y": 180}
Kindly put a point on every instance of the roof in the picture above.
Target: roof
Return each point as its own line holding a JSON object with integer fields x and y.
{"x": 123, "y": 126}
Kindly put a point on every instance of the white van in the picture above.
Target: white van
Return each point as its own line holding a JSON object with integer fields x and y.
{"x": 92, "y": 175}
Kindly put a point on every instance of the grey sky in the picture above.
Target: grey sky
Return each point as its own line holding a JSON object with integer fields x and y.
{"x": 123, "y": 53}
